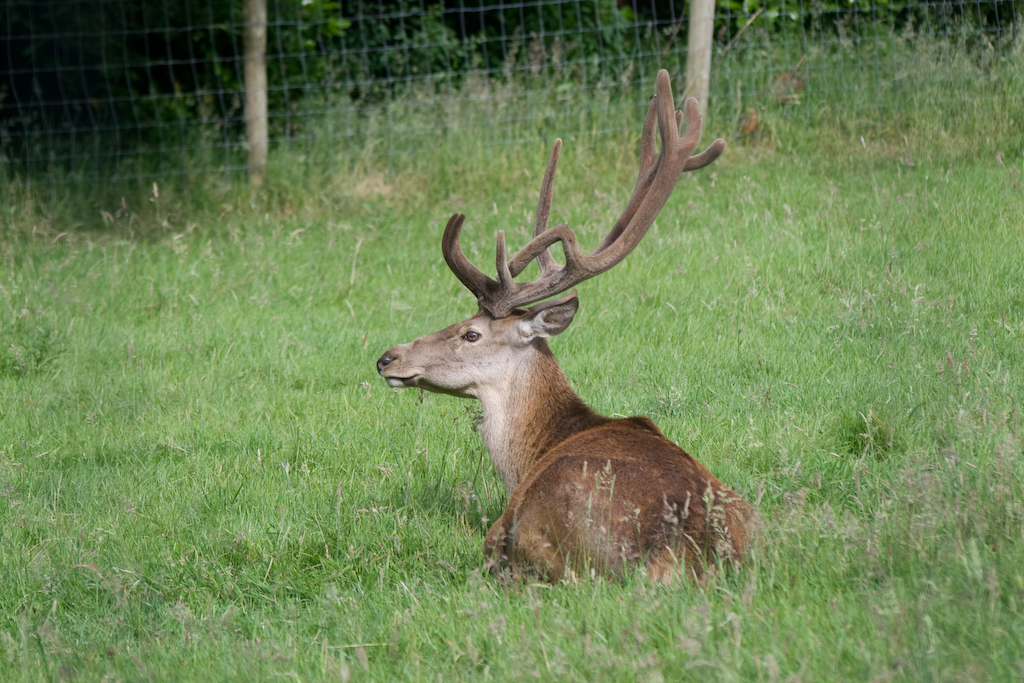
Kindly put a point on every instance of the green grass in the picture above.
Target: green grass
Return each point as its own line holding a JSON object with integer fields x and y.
{"x": 203, "y": 478}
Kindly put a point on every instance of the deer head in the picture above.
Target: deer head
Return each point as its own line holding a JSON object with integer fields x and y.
{"x": 461, "y": 359}
{"x": 500, "y": 355}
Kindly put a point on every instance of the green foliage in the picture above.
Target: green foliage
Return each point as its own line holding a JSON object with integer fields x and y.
{"x": 590, "y": 37}
{"x": 300, "y": 39}
{"x": 394, "y": 41}
{"x": 133, "y": 70}
{"x": 987, "y": 22}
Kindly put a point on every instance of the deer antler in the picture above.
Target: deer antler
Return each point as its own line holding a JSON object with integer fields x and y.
{"x": 657, "y": 179}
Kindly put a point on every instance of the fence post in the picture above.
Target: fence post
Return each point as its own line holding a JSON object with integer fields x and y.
{"x": 698, "y": 52}
{"x": 255, "y": 17}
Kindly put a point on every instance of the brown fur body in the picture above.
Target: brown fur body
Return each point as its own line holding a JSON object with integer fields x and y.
{"x": 616, "y": 494}
{"x": 602, "y": 494}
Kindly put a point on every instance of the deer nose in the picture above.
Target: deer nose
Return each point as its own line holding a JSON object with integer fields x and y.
{"x": 384, "y": 361}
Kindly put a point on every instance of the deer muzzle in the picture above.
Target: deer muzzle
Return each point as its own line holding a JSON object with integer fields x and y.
{"x": 387, "y": 361}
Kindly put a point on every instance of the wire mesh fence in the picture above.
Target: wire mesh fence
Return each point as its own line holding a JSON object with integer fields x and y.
{"x": 96, "y": 90}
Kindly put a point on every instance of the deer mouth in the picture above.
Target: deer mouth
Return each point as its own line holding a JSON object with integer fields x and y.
{"x": 402, "y": 382}
{"x": 418, "y": 382}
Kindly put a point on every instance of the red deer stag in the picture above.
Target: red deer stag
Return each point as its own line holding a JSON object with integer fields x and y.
{"x": 588, "y": 493}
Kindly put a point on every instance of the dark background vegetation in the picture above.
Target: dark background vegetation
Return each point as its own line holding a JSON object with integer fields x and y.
{"x": 101, "y": 78}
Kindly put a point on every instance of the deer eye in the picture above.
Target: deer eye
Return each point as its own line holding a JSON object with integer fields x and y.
{"x": 471, "y": 336}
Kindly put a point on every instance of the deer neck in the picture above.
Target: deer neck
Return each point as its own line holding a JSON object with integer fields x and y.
{"x": 529, "y": 413}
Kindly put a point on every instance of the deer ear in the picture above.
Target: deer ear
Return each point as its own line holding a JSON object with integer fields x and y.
{"x": 550, "y": 317}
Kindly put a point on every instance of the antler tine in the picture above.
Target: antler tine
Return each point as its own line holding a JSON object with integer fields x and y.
{"x": 469, "y": 275}
{"x": 647, "y": 137}
{"x": 644, "y": 178}
{"x": 545, "y": 260}
{"x": 706, "y": 157}
{"x": 694, "y": 125}
{"x": 654, "y": 188}
{"x": 540, "y": 244}
{"x": 501, "y": 264}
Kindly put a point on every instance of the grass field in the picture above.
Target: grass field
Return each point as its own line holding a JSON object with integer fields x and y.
{"x": 203, "y": 478}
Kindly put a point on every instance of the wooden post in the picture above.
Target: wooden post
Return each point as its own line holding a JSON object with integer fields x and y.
{"x": 255, "y": 17}
{"x": 698, "y": 52}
